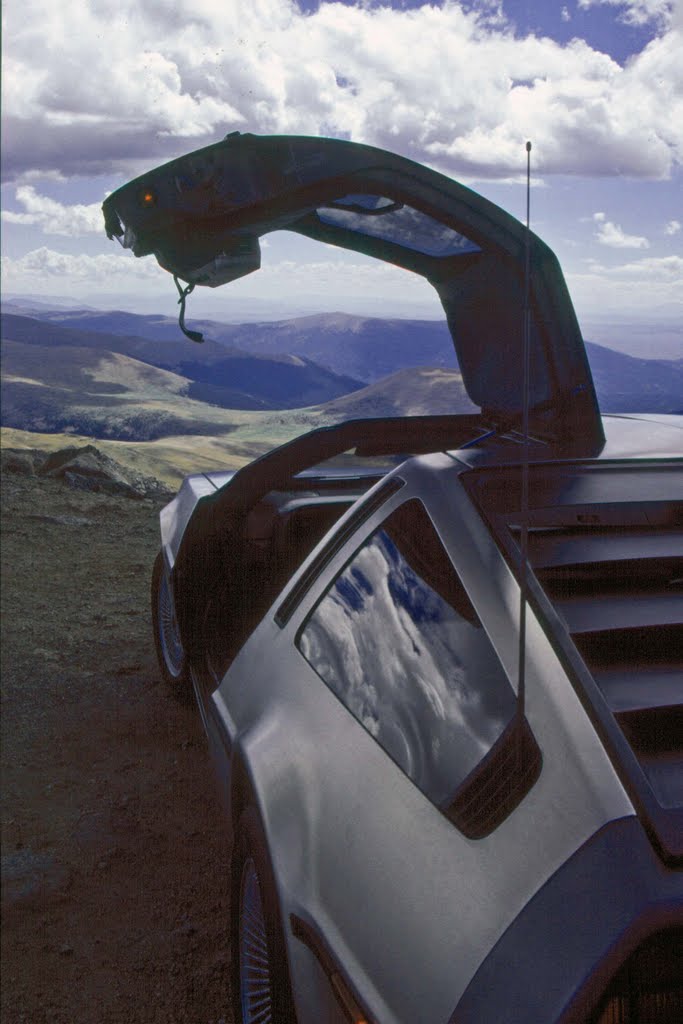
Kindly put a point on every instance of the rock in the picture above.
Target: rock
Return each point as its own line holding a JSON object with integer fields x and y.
{"x": 90, "y": 482}
{"x": 19, "y": 462}
{"x": 88, "y": 469}
{"x": 44, "y": 652}
{"x": 87, "y": 461}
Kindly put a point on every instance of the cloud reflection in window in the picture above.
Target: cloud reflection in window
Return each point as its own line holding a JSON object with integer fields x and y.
{"x": 410, "y": 662}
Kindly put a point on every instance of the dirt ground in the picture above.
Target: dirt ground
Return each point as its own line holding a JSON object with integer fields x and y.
{"x": 114, "y": 863}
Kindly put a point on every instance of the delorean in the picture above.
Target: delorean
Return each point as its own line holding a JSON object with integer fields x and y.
{"x": 442, "y": 681}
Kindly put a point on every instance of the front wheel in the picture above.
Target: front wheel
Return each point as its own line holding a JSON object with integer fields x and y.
{"x": 261, "y": 990}
{"x": 170, "y": 653}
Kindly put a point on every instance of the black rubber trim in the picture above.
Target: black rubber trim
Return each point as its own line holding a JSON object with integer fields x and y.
{"x": 307, "y": 578}
{"x": 557, "y": 957}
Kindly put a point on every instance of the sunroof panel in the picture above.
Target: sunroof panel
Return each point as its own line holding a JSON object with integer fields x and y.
{"x": 383, "y": 218}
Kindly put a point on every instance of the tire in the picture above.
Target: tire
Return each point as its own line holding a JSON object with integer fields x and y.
{"x": 173, "y": 663}
{"x": 261, "y": 990}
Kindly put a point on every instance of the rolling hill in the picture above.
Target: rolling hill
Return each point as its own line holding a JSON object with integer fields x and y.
{"x": 200, "y": 406}
{"x": 420, "y": 391}
{"x": 366, "y": 349}
{"x": 39, "y": 352}
{"x": 629, "y": 384}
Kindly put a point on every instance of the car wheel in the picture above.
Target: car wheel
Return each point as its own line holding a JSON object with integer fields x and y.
{"x": 170, "y": 654}
{"x": 261, "y": 990}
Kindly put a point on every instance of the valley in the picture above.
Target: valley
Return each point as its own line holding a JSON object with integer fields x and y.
{"x": 166, "y": 407}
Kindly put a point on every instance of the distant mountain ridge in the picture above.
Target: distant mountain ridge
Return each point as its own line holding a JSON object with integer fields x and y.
{"x": 118, "y": 374}
{"x": 364, "y": 348}
{"x": 368, "y": 348}
{"x": 418, "y": 391}
{"x": 631, "y": 384}
{"x": 58, "y": 379}
{"x": 219, "y": 374}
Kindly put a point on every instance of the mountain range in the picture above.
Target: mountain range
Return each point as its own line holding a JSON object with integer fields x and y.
{"x": 49, "y": 370}
{"x": 131, "y": 377}
{"x": 367, "y": 348}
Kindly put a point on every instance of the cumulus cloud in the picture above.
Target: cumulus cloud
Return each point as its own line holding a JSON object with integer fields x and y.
{"x": 116, "y": 85}
{"x": 120, "y": 271}
{"x": 52, "y": 217}
{"x": 673, "y": 227}
{"x": 667, "y": 269}
{"x": 614, "y": 236}
{"x": 101, "y": 270}
{"x": 635, "y": 287}
{"x": 637, "y": 12}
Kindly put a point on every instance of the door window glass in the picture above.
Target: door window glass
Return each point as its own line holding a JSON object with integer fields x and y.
{"x": 396, "y": 638}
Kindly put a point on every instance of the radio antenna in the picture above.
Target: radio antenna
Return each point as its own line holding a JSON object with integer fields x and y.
{"x": 524, "y": 504}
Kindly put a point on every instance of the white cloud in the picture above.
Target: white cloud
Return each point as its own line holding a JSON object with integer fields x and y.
{"x": 634, "y": 288}
{"x": 42, "y": 269}
{"x": 637, "y": 12}
{"x": 42, "y": 175}
{"x": 115, "y": 84}
{"x": 565, "y": 15}
{"x": 78, "y": 269}
{"x": 673, "y": 227}
{"x": 614, "y": 236}
{"x": 650, "y": 269}
{"x": 52, "y": 217}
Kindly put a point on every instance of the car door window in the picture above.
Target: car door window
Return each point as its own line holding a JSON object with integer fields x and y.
{"x": 398, "y": 641}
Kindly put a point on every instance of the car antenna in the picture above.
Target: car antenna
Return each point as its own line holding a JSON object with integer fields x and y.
{"x": 524, "y": 503}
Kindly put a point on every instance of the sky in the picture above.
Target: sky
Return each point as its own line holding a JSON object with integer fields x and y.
{"x": 98, "y": 91}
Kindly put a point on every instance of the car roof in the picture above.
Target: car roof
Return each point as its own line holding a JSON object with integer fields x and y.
{"x": 203, "y": 214}
{"x": 628, "y": 437}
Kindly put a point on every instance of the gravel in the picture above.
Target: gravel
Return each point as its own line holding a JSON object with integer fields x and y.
{"x": 114, "y": 861}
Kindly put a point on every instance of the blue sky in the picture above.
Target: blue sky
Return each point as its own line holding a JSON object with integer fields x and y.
{"x": 97, "y": 91}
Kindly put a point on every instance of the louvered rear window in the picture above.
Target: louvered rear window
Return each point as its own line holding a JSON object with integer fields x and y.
{"x": 619, "y": 590}
{"x": 606, "y": 545}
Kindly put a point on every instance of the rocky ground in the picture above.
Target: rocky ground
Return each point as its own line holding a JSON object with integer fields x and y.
{"x": 114, "y": 865}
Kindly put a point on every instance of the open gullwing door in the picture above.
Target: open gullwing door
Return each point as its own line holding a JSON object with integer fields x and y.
{"x": 203, "y": 214}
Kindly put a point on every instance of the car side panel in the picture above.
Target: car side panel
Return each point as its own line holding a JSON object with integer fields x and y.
{"x": 175, "y": 516}
{"x": 409, "y": 906}
{"x": 619, "y": 892}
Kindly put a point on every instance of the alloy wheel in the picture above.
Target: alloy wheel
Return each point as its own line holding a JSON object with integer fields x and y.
{"x": 255, "y": 989}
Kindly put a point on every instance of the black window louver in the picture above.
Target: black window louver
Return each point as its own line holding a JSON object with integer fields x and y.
{"x": 498, "y": 783}
{"x": 619, "y": 591}
{"x": 606, "y": 552}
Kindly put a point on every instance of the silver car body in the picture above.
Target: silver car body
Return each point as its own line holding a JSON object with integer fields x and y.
{"x": 393, "y": 898}
{"x": 408, "y": 907}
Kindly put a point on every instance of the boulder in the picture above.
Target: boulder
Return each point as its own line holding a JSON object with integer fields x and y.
{"x": 85, "y": 461}
{"x": 17, "y": 461}
{"x": 88, "y": 469}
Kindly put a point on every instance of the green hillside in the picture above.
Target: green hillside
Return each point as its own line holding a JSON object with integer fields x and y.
{"x": 165, "y": 407}
{"x": 417, "y": 392}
